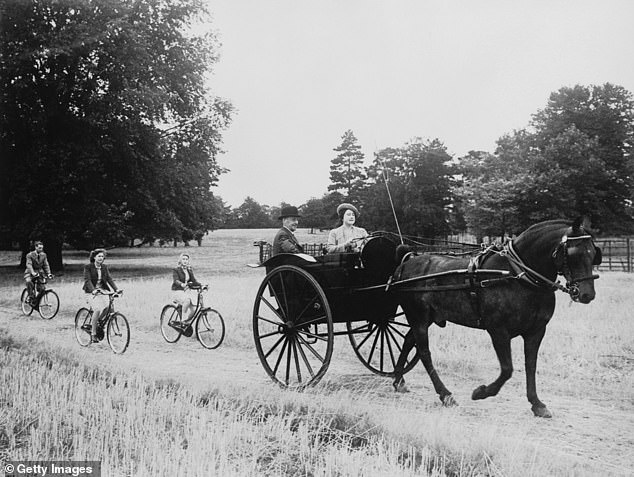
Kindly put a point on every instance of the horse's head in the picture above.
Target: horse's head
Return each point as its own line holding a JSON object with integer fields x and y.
{"x": 574, "y": 257}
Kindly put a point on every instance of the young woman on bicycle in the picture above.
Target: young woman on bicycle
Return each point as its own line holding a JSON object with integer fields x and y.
{"x": 182, "y": 283}
{"x": 97, "y": 279}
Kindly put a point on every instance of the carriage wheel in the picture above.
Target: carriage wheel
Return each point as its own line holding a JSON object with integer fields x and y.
{"x": 378, "y": 345}
{"x": 292, "y": 327}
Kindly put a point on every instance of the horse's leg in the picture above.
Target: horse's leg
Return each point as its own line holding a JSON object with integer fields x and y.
{"x": 399, "y": 382}
{"x": 422, "y": 345}
{"x": 502, "y": 345}
{"x": 531, "y": 347}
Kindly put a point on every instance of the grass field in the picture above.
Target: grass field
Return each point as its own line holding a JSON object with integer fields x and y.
{"x": 55, "y": 404}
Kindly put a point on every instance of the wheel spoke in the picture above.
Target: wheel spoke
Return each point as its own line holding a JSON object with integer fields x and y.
{"x": 312, "y": 335}
{"x": 276, "y": 323}
{"x": 404, "y": 325}
{"x": 274, "y": 346}
{"x": 376, "y": 338}
{"x": 362, "y": 342}
{"x": 387, "y": 334}
{"x": 299, "y": 373}
{"x": 310, "y": 302}
{"x": 284, "y": 296}
{"x": 382, "y": 351}
{"x": 360, "y": 328}
{"x": 266, "y": 335}
{"x": 279, "y": 358}
{"x": 277, "y": 312}
{"x": 288, "y": 360}
{"x": 311, "y": 349}
{"x": 306, "y": 362}
{"x": 389, "y": 330}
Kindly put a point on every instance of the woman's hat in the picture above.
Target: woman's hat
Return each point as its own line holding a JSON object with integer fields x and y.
{"x": 345, "y": 206}
{"x": 289, "y": 211}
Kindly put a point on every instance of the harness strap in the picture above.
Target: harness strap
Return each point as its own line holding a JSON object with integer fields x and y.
{"x": 526, "y": 273}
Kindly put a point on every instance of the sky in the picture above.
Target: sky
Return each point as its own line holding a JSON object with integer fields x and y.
{"x": 301, "y": 73}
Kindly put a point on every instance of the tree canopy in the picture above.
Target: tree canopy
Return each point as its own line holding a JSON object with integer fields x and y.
{"x": 575, "y": 159}
{"x": 107, "y": 131}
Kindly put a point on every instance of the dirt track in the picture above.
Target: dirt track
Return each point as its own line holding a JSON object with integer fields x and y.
{"x": 590, "y": 432}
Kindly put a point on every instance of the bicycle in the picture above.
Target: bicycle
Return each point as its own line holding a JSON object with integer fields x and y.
{"x": 46, "y": 301}
{"x": 113, "y": 326}
{"x": 207, "y": 322}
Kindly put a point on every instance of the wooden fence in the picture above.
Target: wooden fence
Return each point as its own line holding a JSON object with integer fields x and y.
{"x": 618, "y": 254}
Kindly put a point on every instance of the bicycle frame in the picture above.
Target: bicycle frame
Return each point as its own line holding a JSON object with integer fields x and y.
{"x": 103, "y": 321}
{"x": 199, "y": 306}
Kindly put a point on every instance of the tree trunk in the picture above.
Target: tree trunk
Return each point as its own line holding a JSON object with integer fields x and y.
{"x": 24, "y": 247}
{"x": 53, "y": 249}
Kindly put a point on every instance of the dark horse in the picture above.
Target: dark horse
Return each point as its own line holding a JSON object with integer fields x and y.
{"x": 517, "y": 302}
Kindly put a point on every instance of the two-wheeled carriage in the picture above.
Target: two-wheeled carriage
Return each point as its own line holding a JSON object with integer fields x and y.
{"x": 304, "y": 301}
{"x": 507, "y": 290}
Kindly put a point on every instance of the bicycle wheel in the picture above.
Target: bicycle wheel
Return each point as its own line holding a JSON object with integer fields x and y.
{"x": 210, "y": 328}
{"x": 27, "y": 309}
{"x": 83, "y": 325}
{"x": 49, "y": 305}
{"x": 168, "y": 316}
{"x": 118, "y": 333}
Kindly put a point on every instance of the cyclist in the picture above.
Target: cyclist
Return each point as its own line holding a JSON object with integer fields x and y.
{"x": 36, "y": 263}
{"x": 182, "y": 283}
{"x": 97, "y": 279}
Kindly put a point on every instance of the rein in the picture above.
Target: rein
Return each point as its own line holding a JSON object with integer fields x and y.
{"x": 527, "y": 273}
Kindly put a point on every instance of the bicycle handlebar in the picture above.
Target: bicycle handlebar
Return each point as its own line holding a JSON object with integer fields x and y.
{"x": 115, "y": 294}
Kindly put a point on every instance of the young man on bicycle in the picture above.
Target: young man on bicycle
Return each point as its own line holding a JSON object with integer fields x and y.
{"x": 36, "y": 263}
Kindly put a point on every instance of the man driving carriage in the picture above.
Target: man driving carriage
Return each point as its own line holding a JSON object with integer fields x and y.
{"x": 36, "y": 263}
{"x": 285, "y": 241}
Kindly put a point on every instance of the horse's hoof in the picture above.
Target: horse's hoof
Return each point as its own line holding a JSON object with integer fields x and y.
{"x": 541, "y": 411}
{"x": 479, "y": 393}
{"x": 400, "y": 387}
{"x": 448, "y": 401}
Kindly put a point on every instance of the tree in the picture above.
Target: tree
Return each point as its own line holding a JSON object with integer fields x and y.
{"x": 346, "y": 170}
{"x": 575, "y": 160}
{"x": 321, "y": 213}
{"x": 106, "y": 129}
{"x": 420, "y": 182}
{"x": 251, "y": 215}
{"x": 597, "y": 123}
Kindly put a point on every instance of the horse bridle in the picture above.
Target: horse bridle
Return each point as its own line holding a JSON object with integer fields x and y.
{"x": 572, "y": 284}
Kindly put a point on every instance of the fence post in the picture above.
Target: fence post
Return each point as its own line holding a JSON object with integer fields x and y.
{"x": 629, "y": 254}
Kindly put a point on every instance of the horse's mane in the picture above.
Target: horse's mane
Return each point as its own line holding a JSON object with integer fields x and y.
{"x": 547, "y": 224}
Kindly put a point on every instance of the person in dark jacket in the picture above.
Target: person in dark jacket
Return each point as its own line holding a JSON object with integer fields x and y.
{"x": 285, "y": 241}
{"x": 97, "y": 279}
{"x": 183, "y": 280}
{"x": 36, "y": 263}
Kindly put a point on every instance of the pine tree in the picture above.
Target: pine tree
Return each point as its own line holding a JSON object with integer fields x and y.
{"x": 346, "y": 170}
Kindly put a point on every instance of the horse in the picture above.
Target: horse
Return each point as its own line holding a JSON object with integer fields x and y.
{"x": 508, "y": 291}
